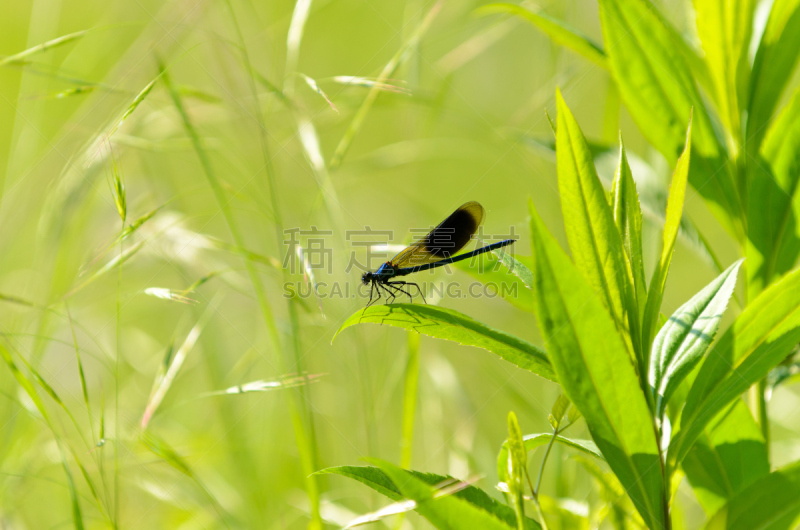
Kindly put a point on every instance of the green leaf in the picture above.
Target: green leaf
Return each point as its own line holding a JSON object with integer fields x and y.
{"x": 518, "y": 453}
{"x": 382, "y": 482}
{"x": 759, "y": 339}
{"x": 511, "y": 278}
{"x": 650, "y": 185}
{"x": 532, "y": 441}
{"x": 677, "y": 192}
{"x": 593, "y": 237}
{"x": 164, "y": 451}
{"x": 516, "y": 463}
{"x": 573, "y": 415}
{"x": 618, "y": 507}
{"x": 770, "y": 503}
{"x": 557, "y": 412}
{"x": 557, "y": 30}
{"x": 772, "y": 68}
{"x": 451, "y": 325}
{"x": 628, "y": 218}
{"x": 687, "y": 335}
{"x": 724, "y": 27}
{"x": 773, "y": 244}
{"x": 596, "y": 373}
{"x": 658, "y": 89}
{"x": 516, "y": 266}
{"x": 444, "y": 512}
{"x": 728, "y": 456}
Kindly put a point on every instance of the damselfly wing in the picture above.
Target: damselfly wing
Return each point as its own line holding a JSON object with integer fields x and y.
{"x": 445, "y": 240}
{"x": 436, "y": 249}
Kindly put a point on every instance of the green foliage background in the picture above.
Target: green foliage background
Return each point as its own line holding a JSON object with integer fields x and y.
{"x": 472, "y": 128}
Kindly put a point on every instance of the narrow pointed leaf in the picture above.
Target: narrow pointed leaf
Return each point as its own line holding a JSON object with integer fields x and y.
{"x": 759, "y": 339}
{"x": 447, "y": 511}
{"x": 593, "y": 237}
{"x": 773, "y": 242}
{"x": 596, "y": 373}
{"x": 770, "y": 503}
{"x": 772, "y": 68}
{"x": 628, "y": 218}
{"x": 725, "y": 27}
{"x": 658, "y": 88}
{"x": 511, "y": 278}
{"x": 677, "y": 192}
{"x": 516, "y": 266}
{"x": 557, "y": 30}
{"x": 382, "y": 482}
{"x": 726, "y": 458}
{"x": 558, "y": 410}
{"x": 451, "y": 325}
{"x": 652, "y": 192}
{"x": 683, "y": 340}
{"x": 516, "y": 462}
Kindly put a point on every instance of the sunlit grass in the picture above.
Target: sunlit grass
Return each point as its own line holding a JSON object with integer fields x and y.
{"x": 155, "y": 157}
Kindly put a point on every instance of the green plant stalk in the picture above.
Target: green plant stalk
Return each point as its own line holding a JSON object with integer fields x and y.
{"x": 304, "y": 434}
{"x": 665, "y": 474}
{"x": 302, "y": 417}
{"x": 116, "y": 388}
{"x": 535, "y": 491}
{"x": 410, "y": 398}
{"x": 388, "y": 70}
{"x": 410, "y": 386}
{"x": 757, "y": 397}
{"x": 305, "y": 445}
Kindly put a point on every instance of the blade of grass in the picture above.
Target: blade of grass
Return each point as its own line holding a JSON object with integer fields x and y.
{"x": 388, "y": 70}
{"x": 50, "y": 391}
{"x": 264, "y": 386}
{"x": 557, "y": 30}
{"x": 49, "y": 45}
{"x": 30, "y": 390}
{"x": 470, "y": 49}
{"x": 164, "y": 451}
{"x": 301, "y": 416}
{"x": 104, "y": 138}
{"x": 117, "y": 261}
{"x": 175, "y": 364}
{"x": 312, "y": 83}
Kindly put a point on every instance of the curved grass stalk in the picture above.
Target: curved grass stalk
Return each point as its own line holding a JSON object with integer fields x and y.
{"x": 388, "y": 70}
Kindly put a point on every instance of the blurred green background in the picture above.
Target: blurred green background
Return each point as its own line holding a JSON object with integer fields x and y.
{"x": 472, "y": 128}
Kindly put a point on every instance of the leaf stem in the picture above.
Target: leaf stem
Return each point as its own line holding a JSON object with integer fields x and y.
{"x": 544, "y": 461}
{"x": 535, "y": 490}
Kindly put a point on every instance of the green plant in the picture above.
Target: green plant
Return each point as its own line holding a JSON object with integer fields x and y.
{"x": 659, "y": 401}
{"x": 631, "y": 372}
{"x": 143, "y": 328}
